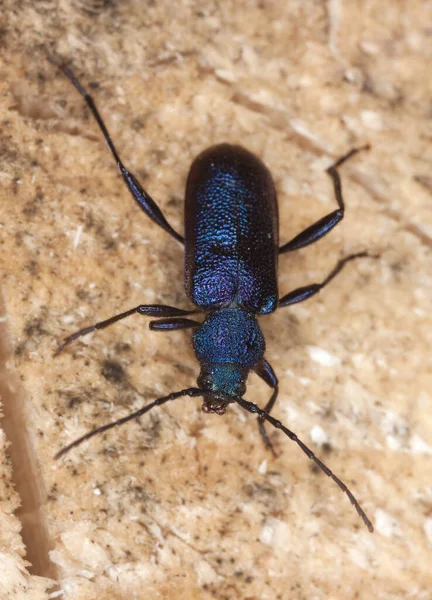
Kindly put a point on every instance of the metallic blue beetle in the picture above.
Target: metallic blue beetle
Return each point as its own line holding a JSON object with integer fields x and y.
{"x": 231, "y": 253}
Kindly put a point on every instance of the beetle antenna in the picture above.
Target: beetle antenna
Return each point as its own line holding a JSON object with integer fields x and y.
{"x": 253, "y": 408}
{"x": 192, "y": 392}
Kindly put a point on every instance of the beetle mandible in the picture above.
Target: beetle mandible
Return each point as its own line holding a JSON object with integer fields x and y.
{"x": 231, "y": 253}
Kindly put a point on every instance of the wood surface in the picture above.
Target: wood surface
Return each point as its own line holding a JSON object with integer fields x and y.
{"x": 183, "y": 505}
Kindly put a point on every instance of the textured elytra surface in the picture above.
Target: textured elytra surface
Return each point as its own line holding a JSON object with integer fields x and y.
{"x": 231, "y": 231}
{"x": 182, "y": 504}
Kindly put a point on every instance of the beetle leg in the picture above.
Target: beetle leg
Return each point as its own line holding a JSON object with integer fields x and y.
{"x": 315, "y": 232}
{"x": 303, "y": 293}
{"x": 173, "y": 324}
{"x": 147, "y": 310}
{"x": 145, "y": 201}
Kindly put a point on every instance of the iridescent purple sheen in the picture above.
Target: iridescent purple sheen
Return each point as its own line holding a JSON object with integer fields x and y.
{"x": 229, "y": 335}
{"x": 231, "y": 232}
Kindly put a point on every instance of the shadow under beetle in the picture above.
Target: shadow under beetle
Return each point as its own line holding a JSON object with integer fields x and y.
{"x": 231, "y": 254}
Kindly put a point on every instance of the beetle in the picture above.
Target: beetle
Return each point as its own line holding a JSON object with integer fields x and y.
{"x": 231, "y": 256}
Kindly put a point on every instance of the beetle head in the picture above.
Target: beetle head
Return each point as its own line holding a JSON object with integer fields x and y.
{"x": 221, "y": 383}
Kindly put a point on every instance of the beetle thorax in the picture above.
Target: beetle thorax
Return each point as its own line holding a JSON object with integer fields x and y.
{"x": 229, "y": 335}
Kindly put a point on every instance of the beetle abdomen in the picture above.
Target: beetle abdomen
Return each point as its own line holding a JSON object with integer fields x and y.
{"x": 231, "y": 231}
